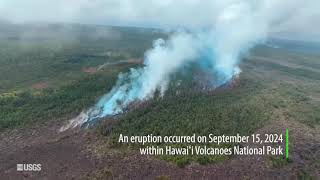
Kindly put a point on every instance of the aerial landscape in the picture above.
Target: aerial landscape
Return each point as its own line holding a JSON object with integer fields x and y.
{"x": 72, "y": 91}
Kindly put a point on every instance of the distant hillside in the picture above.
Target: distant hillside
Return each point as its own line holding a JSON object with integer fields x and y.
{"x": 60, "y": 31}
{"x": 295, "y": 45}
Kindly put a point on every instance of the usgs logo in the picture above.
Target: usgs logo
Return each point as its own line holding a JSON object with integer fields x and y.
{"x": 28, "y": 167}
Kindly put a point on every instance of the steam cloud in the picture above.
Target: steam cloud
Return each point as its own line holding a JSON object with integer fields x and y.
{"x": 221, "y": 31}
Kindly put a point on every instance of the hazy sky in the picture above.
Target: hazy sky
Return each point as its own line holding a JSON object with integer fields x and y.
{"x": 300, "y": 17}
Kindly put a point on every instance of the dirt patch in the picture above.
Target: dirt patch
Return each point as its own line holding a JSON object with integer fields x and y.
{"x": 134, "y": 61}
{"x": 127, "y": 61}
{"x": 41, "y": 85}
{"x": 90, "y": 70}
